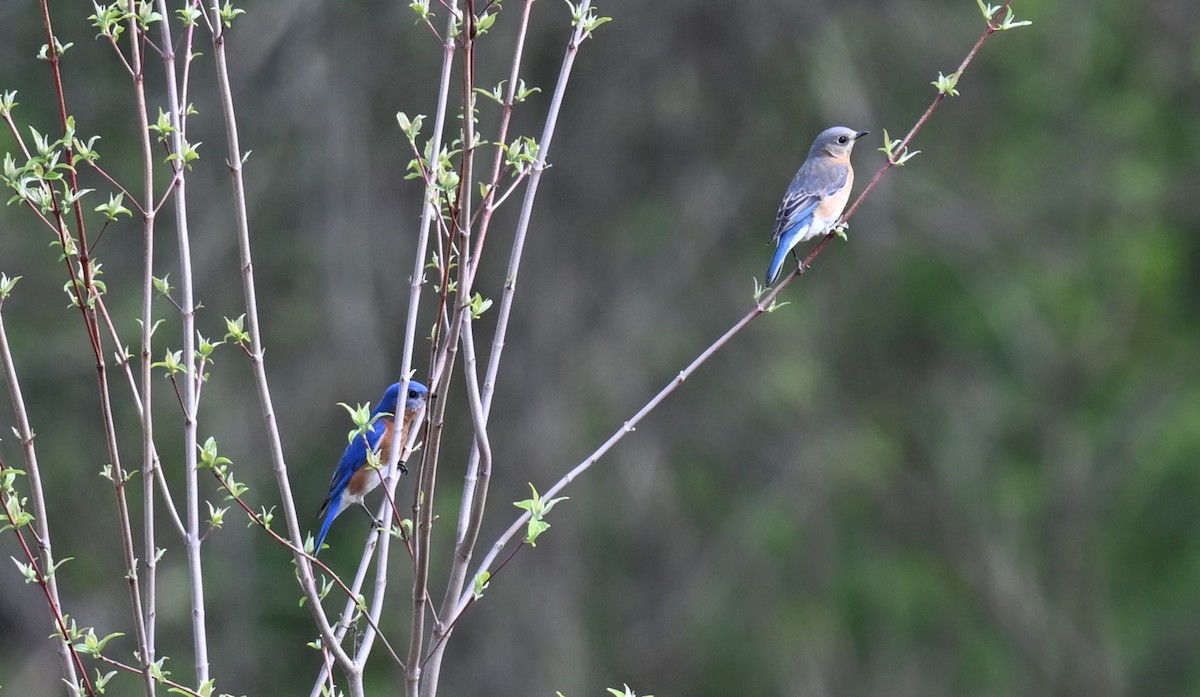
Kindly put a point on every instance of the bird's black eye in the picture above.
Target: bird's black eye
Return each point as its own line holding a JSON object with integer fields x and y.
{"x": 412, "y": 394}
{"x": 842, "y": 139}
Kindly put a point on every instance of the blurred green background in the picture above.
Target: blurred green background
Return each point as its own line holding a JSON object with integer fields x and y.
{"x": 962, "y": 461}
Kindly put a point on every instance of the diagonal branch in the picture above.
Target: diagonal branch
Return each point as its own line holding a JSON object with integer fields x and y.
{"x": 763, "y": 305}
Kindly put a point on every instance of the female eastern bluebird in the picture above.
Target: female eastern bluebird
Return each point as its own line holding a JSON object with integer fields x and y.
{"x": 815, "y": 199}
{"x": 352, "y": 480}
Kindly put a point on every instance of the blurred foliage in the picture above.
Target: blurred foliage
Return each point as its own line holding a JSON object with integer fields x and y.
{"x": 963, "y": 460}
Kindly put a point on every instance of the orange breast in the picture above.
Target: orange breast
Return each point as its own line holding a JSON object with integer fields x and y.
{"x": 365, "y": 478}
{"x": 385, "y": 441}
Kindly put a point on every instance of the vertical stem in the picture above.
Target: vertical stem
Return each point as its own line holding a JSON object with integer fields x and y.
{"x": 149, "y": 545}
{"x": 191, "y": 538}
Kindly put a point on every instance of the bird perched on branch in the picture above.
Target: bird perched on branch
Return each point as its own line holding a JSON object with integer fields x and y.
{"x": 353, "y": 479}
{"x": 817, "y": 195}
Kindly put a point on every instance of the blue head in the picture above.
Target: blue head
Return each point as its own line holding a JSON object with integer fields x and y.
{"x": 417, "y": 393}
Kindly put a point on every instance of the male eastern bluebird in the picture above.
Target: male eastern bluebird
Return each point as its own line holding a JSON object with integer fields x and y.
{"x": 814, "y": 200}
{"x": 352, "y": 479}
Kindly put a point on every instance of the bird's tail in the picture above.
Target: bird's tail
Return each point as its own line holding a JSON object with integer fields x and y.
{"x": 781, "y": 253}
{"x": 330, "y": 511}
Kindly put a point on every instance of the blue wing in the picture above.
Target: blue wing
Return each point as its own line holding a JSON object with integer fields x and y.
{"x": 812, "y": 184}
{"x": 352, "y": 460}
{"x": 787, "y": 238}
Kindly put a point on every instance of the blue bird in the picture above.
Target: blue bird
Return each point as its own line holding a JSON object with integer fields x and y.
{"x": 352, "y": 479}
{"x": 817, "y": 195}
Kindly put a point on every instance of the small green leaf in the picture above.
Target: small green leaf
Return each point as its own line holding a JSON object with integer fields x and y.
{"x": 235, "y": 330}
{"x": 945, "y": 83}
{"x": 1009, "y": 22}
{"x": 410, "y": 127}
{"x": 480, "y": 584}
{"x": 189, "y": 15}
{"x": 627, "y": 692}
{"x": 479, "y": 305}
{"x": 495, "y": 94}
{"x": 28, "y": 571}
{"x": 57, "y": 564}
{"x": 216, "y": 516}
{"x": 209, "y": 457}
{"x": 7, "y": 284}
{"x": 483, "y": 23}
{"x": 114, "y": 207}
{"x": 147, "y": 16}
{"x": 85, "y": 152}
{"x": 102, "y": 680}
{"x": 228, "y": 12}
{"x": 91, "y": 645}
{"x": 172, "y": 362}
{"x": 421, "y": 8}
{"x": 59, "y": 49}
{"x": 8, "y": 102}
{"x": 187, "y": 156}
{"x": 162, "y": 127}
{"x": 896, "y": 157}
{"x": 157, "y": 671}
{"x": 205, "y": 347}
{"x": 524, "y": 92}
{"x": 537, "y": 508}
{"x": 587, "y": 21}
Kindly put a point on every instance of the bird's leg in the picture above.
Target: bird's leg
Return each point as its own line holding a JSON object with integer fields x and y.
{"x": 799, "y": 261}
{"x": 378, "y": 523}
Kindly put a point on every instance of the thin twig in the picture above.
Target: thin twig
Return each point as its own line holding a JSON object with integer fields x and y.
{"x": 150, "y": 461}
{"x": 192, "y": 540}
{"x": 72, "y": 664}
{"x": 156, "y": 462}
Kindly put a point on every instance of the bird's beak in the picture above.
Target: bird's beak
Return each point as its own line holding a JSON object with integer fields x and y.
{"x": 860, "y": 134}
